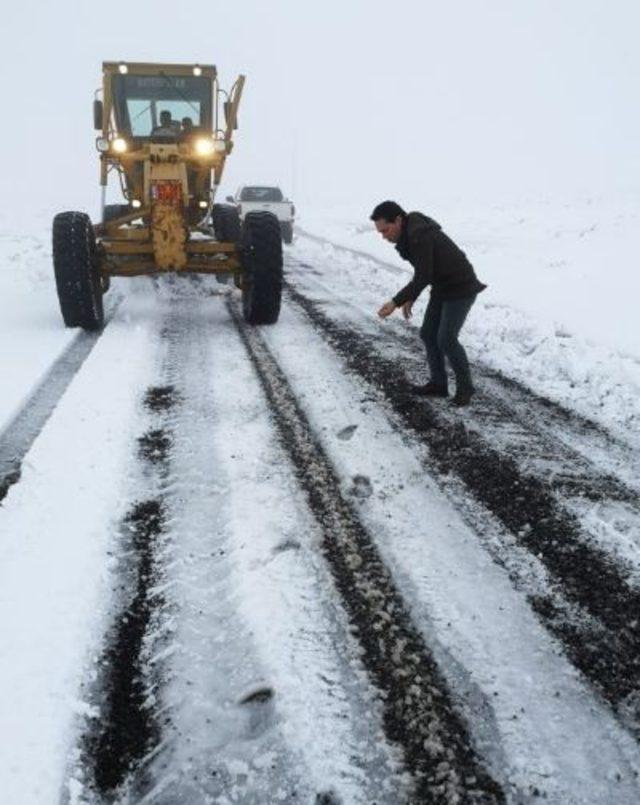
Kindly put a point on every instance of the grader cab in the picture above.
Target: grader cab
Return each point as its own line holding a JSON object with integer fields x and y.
{"x": 165, "y": 139}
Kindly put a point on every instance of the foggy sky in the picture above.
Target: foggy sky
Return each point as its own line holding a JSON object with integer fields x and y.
{"x": 345, "y": 102}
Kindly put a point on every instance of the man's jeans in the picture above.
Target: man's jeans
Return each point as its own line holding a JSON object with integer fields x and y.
{"x": 442, "y": 323}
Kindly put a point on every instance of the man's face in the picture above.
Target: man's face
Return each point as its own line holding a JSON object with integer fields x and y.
{"x": 390, "y": 230}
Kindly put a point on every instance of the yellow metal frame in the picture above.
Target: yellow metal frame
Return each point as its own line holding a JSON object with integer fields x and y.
{"x": 129, "y": 249}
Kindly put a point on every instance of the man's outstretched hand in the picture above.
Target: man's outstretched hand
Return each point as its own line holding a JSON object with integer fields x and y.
{"x": 387, "y": 309}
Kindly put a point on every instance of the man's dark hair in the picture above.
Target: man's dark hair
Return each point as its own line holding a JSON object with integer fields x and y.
{"x": 389, "y": 210}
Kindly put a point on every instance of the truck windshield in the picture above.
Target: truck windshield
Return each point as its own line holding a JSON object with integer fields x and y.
{"x": 261, "y": 194}
{"x": 140, "y": 100}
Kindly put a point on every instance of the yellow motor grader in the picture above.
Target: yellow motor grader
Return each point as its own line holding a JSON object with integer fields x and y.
{"x": 165, "y": 138}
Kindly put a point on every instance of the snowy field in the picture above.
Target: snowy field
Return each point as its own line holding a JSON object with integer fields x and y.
{"x": 238, "y": 575}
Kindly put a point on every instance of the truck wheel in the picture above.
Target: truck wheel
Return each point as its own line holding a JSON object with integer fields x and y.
{"x": 75, "y": 266}
{"x": 287, "y": 231}
{"x": 262, "y": 263}
{"x": 112, "y": 211}
{"x": 226, "y": 223}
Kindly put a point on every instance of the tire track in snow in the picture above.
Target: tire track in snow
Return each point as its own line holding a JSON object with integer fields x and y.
{"x": 241, "y": 720}
{"x": 200, "y": 651}
{"x": 605, "y": 646}
{"x": 22, "y": 430}
{"x": 114, "y": 745}
{"x": 418, "y": 711}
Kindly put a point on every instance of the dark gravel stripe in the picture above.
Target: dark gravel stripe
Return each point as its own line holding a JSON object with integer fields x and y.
{"x": 127, "y": 728}
{"x": 418, "y": 710}
{"x": 527, "y": 507}
{"x": 113, "y": 748}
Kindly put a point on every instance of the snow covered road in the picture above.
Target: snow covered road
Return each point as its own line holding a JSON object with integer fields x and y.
{"x": 243, "y": 566}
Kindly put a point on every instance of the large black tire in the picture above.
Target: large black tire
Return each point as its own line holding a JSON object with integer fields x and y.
{"x": 76, "y": 271}
{"x": 262, "y": 264}
{"x": 112, "y": 211}
{"x": 226, "y": 223}
{"x": 287, "y": 231}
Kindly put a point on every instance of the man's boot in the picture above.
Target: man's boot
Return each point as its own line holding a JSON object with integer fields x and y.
{"x": 463, "y": 396}
{"x": 429, "y": 390}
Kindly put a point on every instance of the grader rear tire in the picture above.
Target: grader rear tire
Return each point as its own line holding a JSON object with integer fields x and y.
{"x": 262, "y": 264}
{"x": 77, "y": 278}
{"x": 226, "y": 223}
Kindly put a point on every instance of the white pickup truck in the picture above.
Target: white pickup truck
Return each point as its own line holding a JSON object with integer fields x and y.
{"x": 252, "y": 198}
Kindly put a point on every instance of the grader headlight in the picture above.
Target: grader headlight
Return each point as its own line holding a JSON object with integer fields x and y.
{"x": 119, "y": 145}
{"x": 204, "y": 146}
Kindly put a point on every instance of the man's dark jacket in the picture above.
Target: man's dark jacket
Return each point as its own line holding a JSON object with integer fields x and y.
{"x": 436, "y": 260}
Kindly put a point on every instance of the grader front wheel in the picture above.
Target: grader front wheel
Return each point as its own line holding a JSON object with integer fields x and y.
{"x": 262, "y": 263}
{"x": 77, "y": 279}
